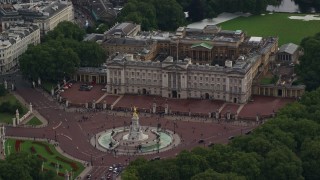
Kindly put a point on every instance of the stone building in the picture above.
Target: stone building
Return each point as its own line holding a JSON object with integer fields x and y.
{"x": 14, "y": 42}
{"x": 288, "y": 53}
{"x": 143, "y": 49}
{"x": 183, "y": 79}
{"x": 47, "y": 14}
{"x": 91, "y": 75}
{"x": 120, "y": 30}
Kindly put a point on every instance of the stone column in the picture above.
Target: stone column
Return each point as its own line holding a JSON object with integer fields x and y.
{"x": 30, "y": 107}
{"x": 14, "y": 122}
{"x": 5, "y": 85}
{"x": 217, "y": 114}
{"x": 154, "y": 108}
{"x": 257, "y": 118}
{"x": 67, "y": 103}
{"x": 104, "y": 106}
{"x": 39, "y": 81}
{"x": 93, "y": 104}
{"x": 209, "y": 115}
{"x": 228, "y": 115}
{"x": 18, "y": 116}
{"x": 33, "y": 84}
{"x": 12, "y": 86}
{"x": 166, "y": 108}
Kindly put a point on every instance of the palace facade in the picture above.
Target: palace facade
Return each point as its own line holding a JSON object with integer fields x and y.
{"x": 183, "y": 79}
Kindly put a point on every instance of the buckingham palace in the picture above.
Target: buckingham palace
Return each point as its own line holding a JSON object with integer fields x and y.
{"x": 182, "y": 79}
{"x": 205, "y": 64}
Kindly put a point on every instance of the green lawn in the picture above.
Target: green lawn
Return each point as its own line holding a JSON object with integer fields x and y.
{"x": 6, "y": 117}
{"x": 50, "y": 158}
{"x": 34, "y": 121}
{"x": 277, "y": 24}
{"x": 266, "y": 80}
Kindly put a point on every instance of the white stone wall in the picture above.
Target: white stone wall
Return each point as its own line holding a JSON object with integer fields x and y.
{"x": 193, "y": 83}
{"x": 9, "y": 55}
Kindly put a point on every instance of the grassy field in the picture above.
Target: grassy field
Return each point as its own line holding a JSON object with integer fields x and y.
{"x": 277, "y": 24}
{"x": 49, "y": 158}
{"x": 266, "y": 80}
{"x": 34, "y": 121}
{"x": 6, "y": 117}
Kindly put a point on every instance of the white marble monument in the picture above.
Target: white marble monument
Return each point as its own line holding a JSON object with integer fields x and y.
{"x": 135, "y": 132}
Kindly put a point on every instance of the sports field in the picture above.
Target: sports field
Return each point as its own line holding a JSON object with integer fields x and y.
{"x": 277, "y": 24}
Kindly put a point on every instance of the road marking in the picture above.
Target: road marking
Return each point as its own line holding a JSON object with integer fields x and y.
{"x": 240, "y": 108}
{"x": 220, "y": 109}
{"x": 119, "y": 98}
{"x": 102, "y": 97}
{"x": 58, "y": 125}
{"x": 80, "y": 126}
{"x": 66, "y": 136}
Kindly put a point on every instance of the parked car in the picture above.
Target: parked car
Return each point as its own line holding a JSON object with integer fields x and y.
{"x": 85, "y": 87}
{"x": 110, "y": 169}
{"x": 231, "y": 137}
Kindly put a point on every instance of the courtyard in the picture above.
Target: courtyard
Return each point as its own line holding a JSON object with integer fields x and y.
{"x": 74, "y": 130}
{"x": 259, "y": 105}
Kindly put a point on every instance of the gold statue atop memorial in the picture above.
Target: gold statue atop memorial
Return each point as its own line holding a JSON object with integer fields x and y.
{"x": 135, "y": 111}
{"x": 135, "y": 131}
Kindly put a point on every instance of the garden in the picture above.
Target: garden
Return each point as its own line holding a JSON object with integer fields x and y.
{"x": 52, "y": 160}
{"x": 8, "y": 106}
{"x": 34, "y": 121}
{"x": 276, "y": 24}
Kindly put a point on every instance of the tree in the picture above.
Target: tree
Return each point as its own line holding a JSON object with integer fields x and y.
{"x": 211, "y": 174}
{"x": 3, "y": 91}
{"x": 190, "y": 164}
{"x": 159, "y": 170}
{"x": 23, "y": 166}
{"x": 282, "y": 163}
{"x": 308, "y": 68}
{"x": 153, "y": 14}
{"x": 246, "y": 164}
{"x": 169, "y": 14}
{"x": 310, "y": 155}
{"x": 196, "y": 10}
{"x": 49, "y": 62}
{"x": 66, "y": 29}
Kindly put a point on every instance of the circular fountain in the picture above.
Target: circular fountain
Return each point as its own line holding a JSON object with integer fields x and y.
{"x": 137, "y": 139}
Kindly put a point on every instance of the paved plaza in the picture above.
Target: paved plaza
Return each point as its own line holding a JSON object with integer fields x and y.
{"x": 260, "y": 105}
{"x": 73, "y": 129}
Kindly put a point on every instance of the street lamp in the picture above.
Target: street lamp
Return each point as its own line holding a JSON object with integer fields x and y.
{"x": 174, "y": 126}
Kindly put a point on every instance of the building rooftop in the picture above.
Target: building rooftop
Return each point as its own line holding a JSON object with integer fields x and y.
{"x": 122, "y": 28}
{"x": 35, "y": 10}
{"x": 16, "y": 33}
{"x": 129, "y": 41}
{"x": 205, "y": 45}
{"x": 289, "y": 48}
